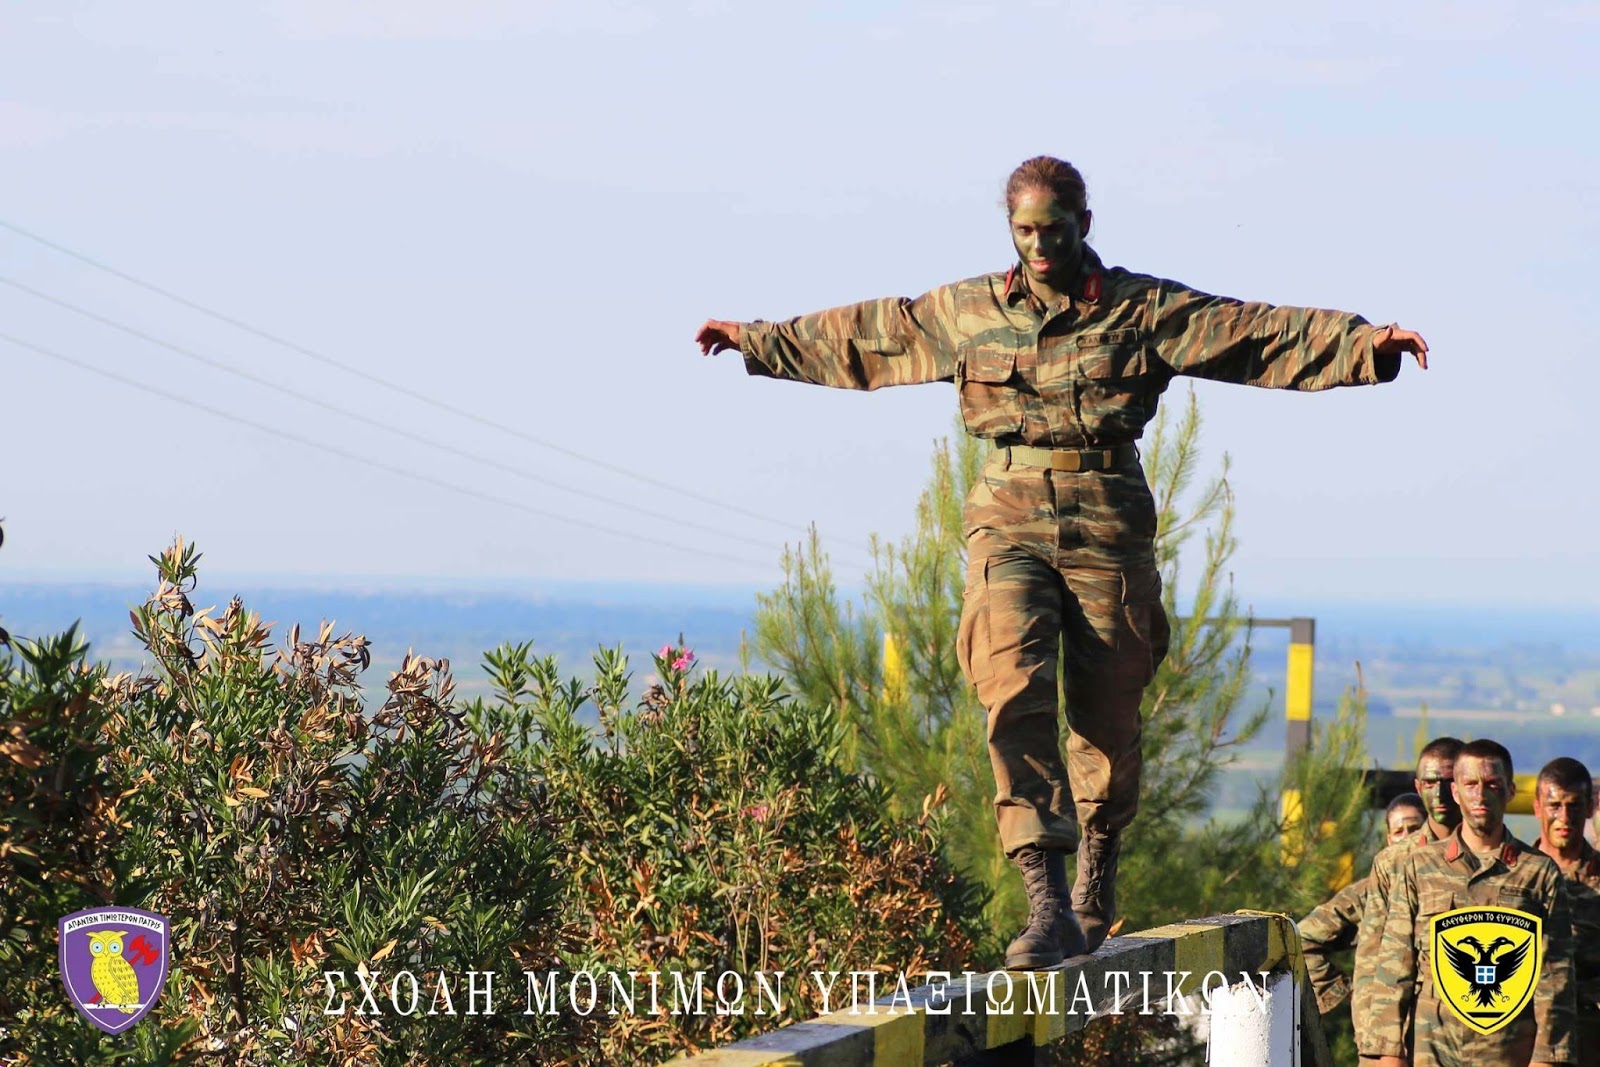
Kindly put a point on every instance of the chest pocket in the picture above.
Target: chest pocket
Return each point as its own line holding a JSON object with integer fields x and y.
{"x": 1111, "y": 355}
{"x": 1431, "y": 902}
{"x": 1520, "y": 898}
{"x": 985, "y": 377}
{"x": 1117, "y": 387}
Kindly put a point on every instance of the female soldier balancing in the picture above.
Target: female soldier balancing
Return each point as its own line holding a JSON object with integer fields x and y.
{"x": 1061, "y": 361}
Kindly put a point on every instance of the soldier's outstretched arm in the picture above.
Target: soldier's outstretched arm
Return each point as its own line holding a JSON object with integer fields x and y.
{"x": 869, "y": 345}
{"x": 1250, "y": 343}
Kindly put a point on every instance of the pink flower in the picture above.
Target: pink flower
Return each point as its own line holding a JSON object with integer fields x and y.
{"x": 758, "y": 812}
{"x": 683, "y": 661}
{"x": 666, "y": 650}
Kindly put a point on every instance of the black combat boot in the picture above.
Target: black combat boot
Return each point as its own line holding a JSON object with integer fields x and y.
{"x": 1094, "y": 894}
{"x": 1052, "y": 933}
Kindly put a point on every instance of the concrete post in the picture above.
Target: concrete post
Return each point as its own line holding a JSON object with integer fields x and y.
{"x": 1252, "y": 1028}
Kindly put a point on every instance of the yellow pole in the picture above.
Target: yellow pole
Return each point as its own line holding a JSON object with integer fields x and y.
{"x": 894, "y": 671}
{"x": 1297, "y": 723}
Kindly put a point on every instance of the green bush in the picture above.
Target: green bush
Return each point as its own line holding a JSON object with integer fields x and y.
{"x": 713, "y": 830}
{"x": 287, "y": 829}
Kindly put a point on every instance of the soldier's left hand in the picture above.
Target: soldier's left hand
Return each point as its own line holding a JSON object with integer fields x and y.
{"x": 1391, "y": 340}
{"x": 718, "y": 335}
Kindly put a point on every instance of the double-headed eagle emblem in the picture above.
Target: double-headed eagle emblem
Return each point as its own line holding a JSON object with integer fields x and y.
{"x": 1485, "y": 973}
{"x": 1486, "y": 961}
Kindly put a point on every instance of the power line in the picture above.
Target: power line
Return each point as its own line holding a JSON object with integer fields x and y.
{"x": 378, "y": 464}
{"x": 393, "y": 386}
{"x": 378, "y": 423}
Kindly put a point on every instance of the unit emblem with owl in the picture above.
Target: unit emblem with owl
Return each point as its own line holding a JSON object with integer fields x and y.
{"x": 113, "y": 963}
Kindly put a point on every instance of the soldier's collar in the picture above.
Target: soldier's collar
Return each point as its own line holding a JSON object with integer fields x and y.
{"x": 1588, "y": 859}
{"x": 1510, "y": 848}
{"x": 1090, "y": 285}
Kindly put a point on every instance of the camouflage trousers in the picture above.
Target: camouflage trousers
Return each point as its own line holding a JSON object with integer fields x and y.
{"x": 1022, "y": 618}
{"x": 1441, "y": 1040}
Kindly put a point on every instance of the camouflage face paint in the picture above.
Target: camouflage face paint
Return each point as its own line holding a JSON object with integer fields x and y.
{"x": 1403, "y": 822}
{"x": 1561, "y": 813}
{"x": 1048, "y": 239}
{"x": 1433, "y": 785}
{"x": 1482, "y": 788}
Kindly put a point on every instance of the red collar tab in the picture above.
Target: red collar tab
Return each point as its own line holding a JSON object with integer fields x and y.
{"x": 1509, "y": 854}
{"x": 1011, "y": 277}
{"x": 1091, "y": 288}
{"x": 1452, "y": 851}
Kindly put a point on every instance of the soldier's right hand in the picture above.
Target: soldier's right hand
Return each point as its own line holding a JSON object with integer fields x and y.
{"x": 718, "y": 336}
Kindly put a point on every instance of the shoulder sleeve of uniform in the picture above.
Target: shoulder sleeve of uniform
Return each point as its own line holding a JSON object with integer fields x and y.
{"x": 896, "y": 341}
{"x": 1388, "y": 1000}
{"x": 1251, "y": 343}
{"x": 1369, "y": 933}
{"x": 1555, "y": 1007}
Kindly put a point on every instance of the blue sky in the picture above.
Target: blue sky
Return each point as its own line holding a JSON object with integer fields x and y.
{"x": 525, "y": 210}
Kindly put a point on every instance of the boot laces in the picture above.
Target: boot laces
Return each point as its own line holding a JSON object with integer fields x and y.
{"x": 1042, "y": 903}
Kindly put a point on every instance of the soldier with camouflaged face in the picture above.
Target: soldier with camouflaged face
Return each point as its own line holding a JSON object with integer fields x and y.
{"x": 1060, "y": 361}
{"x": 1435, "y": 771}
{"x": 1563, "y": 802}
{"x": 1332, "y": 925}
{"x": 1480, "y": 863}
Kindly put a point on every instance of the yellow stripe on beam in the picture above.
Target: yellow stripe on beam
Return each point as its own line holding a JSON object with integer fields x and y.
{"x": 897, "y": 1035}
{"x": 900, "y": 1039}
{"x": 1051, "y": 1024}
{"x": 1283, "y": 941}
{"x": 1297, "y": 687}
{"x": 1002, "y": 1028}
{"x": 1196, "y": 949}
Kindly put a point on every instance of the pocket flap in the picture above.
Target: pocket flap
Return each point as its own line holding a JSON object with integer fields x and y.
{"x": 1521, "y": 899}
{"x": 993, "y": 365}
{"x": 1433, "y": 901}
{"x": 1108, "y": 338}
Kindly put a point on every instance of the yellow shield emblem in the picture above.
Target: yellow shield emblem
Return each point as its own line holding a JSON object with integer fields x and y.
{"x": 1486, "y": 961}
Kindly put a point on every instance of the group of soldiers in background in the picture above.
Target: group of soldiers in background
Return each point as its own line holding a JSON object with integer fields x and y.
{"x": 1449, "y": 848}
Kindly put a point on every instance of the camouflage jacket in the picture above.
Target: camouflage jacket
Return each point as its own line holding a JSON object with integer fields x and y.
{"x": 1086, "y": 372}
{"x": 1330, "y": 927}
{"x": 1446, "y": 875}
{"x": 1583, "y": 893}
{"x": 1374, "y": 909}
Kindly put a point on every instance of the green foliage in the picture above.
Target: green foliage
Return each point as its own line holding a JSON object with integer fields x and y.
{"x": 913, "y": 723}
{"x": 713, "y": 829}
{"x": 288, "y": 829}
{"x": 1268, "y": 861}
{"x": 285, "y": 830}
{"x": 59, "y": 827}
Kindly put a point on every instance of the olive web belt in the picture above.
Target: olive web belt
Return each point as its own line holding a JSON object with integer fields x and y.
{"x": 1066, "y": 459}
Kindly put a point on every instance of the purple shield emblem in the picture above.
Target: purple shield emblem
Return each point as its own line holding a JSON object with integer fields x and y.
{"x": 113, "y": 963}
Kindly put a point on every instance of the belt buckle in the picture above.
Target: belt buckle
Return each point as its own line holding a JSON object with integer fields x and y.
{"x": 1071, "y": 462}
